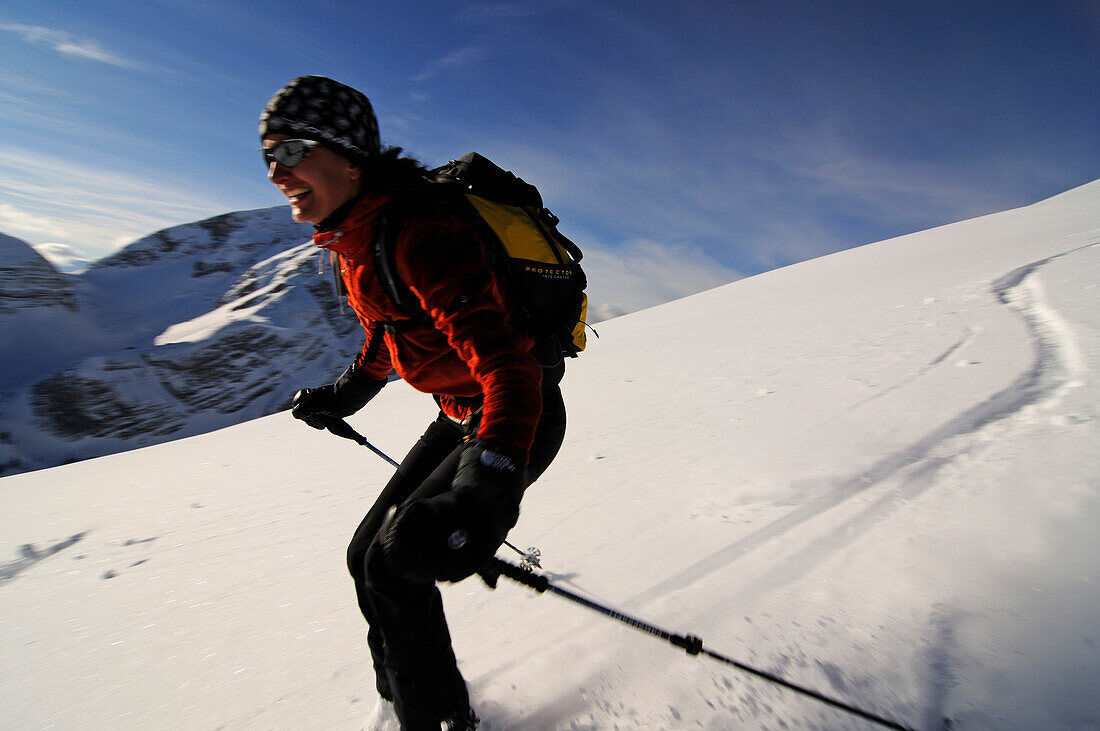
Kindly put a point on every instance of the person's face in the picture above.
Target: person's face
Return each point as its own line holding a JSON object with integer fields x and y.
{"x": 316, "y": 186}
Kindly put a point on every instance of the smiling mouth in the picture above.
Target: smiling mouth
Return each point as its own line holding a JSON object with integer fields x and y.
{"x": 296, "y": 195}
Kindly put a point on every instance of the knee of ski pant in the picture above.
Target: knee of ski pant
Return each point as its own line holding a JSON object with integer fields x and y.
{"x": 357, "y": 552}
{"x": 356, "y": 559}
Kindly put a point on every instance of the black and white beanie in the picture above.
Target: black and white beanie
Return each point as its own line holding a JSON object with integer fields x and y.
{"x": 318, "y": 108}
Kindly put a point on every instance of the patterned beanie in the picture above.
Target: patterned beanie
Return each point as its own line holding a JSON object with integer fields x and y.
{"x": 318, "y": 108}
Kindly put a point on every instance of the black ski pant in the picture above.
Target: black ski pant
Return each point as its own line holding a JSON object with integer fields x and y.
{"x": 410, "y": 645}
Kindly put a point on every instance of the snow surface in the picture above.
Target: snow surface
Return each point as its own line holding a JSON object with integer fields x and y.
{"x": 874, "y": 474}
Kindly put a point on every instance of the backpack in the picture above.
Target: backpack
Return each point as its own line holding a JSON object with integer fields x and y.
{"x": 537, "y": 266}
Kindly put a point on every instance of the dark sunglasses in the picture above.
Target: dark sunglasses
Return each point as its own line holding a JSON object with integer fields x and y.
{"x": 288, "y": 153}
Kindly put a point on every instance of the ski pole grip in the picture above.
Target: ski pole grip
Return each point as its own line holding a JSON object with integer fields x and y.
{"x": 341, "y": 428}
{"x": 515, "y": 573}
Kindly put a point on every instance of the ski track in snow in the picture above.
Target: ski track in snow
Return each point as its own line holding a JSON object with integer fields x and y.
{"x": 928, "y": 367}
{"x": 1057, "y": 365}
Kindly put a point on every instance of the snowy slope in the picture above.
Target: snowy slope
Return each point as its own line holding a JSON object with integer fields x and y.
{"x": 872, "y": 473}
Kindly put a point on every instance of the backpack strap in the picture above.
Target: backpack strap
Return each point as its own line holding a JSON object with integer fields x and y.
{"x": 383, "y": 249}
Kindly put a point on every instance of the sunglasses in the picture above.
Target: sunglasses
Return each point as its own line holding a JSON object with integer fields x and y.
{"x": 288, "y": 153}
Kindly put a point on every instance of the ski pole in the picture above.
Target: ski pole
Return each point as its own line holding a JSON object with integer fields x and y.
{"x": 341, "y": 428}
{"x": 689, "y": 643}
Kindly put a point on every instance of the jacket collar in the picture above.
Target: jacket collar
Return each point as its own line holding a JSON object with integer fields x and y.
{"x": 337, "y": 217}
{"x": 350, "y": 225}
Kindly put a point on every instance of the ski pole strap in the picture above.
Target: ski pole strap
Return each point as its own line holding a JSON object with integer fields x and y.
{"x": 690, "y": 643}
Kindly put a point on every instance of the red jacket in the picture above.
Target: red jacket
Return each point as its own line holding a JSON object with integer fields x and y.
{"x": 471, "y": 350}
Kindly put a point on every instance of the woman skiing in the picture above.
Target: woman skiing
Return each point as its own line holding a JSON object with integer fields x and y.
{"x": 456, "y": 495}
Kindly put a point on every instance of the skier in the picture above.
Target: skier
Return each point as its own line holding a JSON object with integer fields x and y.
{"x": 454, "y": 498}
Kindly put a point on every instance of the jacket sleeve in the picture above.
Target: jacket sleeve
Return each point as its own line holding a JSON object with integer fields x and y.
{"x": 374, "y": 357}
{"x": 445, "y": 267}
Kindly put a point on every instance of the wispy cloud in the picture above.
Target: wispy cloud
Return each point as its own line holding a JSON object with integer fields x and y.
{"x": 96, "y": 211}
{"x": 752, "y": 197}
{"x": 66, "y": 44}
{"x": 23, "y": 224}
{"x": 500, "y": 12}
{"x": 45, "y": 109}
{"x": 459, "y": 58}
{"x": 827, "y": 162}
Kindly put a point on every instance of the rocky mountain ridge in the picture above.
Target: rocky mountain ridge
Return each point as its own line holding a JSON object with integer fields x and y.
{"x": 189, "y": 329}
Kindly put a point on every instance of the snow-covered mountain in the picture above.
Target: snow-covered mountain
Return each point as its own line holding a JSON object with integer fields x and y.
{"x": 190, "y": 329}
{"x": 873, "y": 474}
{"x": 30, "y": 281}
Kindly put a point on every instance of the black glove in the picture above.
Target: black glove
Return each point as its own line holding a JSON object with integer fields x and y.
{"x": 351, "y": 392}
{"x": 452, "y": 535}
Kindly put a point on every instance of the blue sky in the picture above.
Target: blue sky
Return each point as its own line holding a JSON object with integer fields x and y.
{"x": 746, "y": 135}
